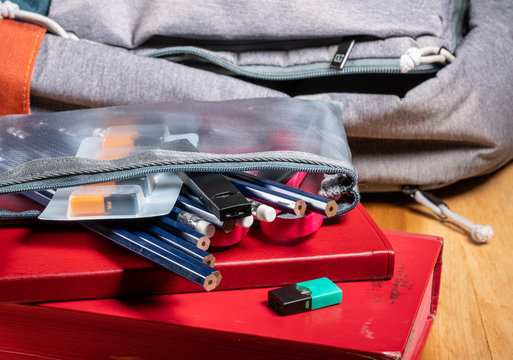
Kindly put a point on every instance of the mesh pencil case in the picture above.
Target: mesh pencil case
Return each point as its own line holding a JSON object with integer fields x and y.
{"x": 275, "y": 135}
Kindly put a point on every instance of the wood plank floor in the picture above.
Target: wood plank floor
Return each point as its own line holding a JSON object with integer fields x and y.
{"x": 475, "y": 312}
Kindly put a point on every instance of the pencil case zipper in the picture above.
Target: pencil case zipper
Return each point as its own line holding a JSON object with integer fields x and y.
{"x": 23, "y": 179}
{"x": 237, "y": 135}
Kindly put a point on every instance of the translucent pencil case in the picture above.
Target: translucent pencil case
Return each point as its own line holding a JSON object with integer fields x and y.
{"x": 143, "y": 196}
{"x": 275, "y": 136}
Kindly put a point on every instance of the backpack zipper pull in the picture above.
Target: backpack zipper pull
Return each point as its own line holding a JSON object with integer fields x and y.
{"x": 479, "y": 233}
{"x": 343, "y": 51}
{"x": 414, "y": 57}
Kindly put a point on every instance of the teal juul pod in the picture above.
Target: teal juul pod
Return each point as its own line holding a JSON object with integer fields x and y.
{"x": 304, "y": 296}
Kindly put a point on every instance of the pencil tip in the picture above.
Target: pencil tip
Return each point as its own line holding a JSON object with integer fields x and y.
{"x": 300, "y": 208}
{"x": 331, "y": 208}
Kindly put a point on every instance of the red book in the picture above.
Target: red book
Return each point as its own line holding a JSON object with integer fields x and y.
{"x": 386, "y": 319}
{"x": 61, "y": 262}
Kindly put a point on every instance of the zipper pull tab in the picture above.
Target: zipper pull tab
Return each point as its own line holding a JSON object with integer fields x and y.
{"x": 343, "y": 51}
{"x": 414, "y": 57}
{"x": 479, "y": 233}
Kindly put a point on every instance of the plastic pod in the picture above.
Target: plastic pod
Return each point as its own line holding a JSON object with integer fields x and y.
{"x": 304, "y": 296}
{"x": 105, "y": 200}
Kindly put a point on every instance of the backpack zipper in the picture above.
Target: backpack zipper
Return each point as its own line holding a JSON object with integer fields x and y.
{"x": 297, "y": 72}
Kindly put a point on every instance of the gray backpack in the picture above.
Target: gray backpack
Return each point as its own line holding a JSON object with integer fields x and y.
{"x": 436, "y": 124}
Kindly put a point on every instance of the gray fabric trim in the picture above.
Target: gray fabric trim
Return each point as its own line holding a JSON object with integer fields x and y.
{"x": 57, "y": 167}
{"x": 6, "y": 215}
{"x": 395, "y": 27}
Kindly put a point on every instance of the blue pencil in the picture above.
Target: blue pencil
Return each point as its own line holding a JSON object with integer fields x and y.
{"x": 169, "y": 251}
{"x": 192, "y": 220}
{"x": 160, "y": 253}
{"x": 188, "y": 234}
{"x": 149, "y": 247}
{"x": 187, "y": 202}
{"x": 314, "y": 203}
{"x": 182, "y": 245}
{"x": 279, "y": 201}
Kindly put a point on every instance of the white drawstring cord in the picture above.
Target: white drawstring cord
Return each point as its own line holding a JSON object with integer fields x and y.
{"x": 414, "y": 57}
{"x": 480, "y": 233}
{"x": 11, "y": 10}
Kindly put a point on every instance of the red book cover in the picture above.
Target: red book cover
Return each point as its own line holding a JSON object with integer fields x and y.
{"x": 61, "y": 262}
{"x": 385, "y": 319}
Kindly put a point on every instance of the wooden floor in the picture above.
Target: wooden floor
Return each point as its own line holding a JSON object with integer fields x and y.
{"x": 475, "y": 312}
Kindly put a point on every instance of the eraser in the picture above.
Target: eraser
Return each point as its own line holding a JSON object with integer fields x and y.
{"x": 245, "y": 221}
{"x": 265, "y": 213}
{"x": 205, "y": 228}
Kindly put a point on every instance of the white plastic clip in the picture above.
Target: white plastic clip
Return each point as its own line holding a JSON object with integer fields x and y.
{"x": 479, "y": 233}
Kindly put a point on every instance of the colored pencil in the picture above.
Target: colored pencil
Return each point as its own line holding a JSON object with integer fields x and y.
{"x": 148, "y": 247}
{"x": 189, "y": 203}
{"x": 177, "y": 242}
{"x": 192, "y": 220}
{"x": 182, "y": 231}
{"x": 314, "y": 203}
{"x": 279, "y": 201}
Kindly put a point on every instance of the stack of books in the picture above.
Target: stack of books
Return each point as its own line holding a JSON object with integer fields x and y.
{"x": 67, "y": 293}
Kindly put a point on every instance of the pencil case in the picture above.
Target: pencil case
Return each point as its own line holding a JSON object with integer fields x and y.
{"x": 273, "y": 134}
{"x": 147, "y": 195}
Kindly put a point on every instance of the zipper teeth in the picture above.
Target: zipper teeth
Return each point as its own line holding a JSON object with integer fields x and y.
{"x": 130, "y": 173}
{"x": 29, "y": 214}
{"x": 347, "y": 70}
{"x": 226, "y": 163}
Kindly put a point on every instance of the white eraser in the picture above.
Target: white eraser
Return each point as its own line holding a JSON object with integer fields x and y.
{"x": 266, "y": 213}
{"x": 205, "y": 228}
{"x": 245, "y": 222}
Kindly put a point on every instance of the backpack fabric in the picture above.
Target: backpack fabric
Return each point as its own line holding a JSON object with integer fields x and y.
{"x": 433, "y": 126}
